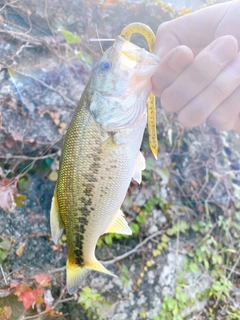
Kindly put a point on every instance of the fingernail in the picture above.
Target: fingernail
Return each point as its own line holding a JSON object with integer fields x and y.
{"x": 225, "y": 49}
{"x": 180, "y": 58}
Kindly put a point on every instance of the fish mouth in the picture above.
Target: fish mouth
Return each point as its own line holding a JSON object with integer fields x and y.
{"x": 132, "y": 56}
{"x": 134, "y": 53}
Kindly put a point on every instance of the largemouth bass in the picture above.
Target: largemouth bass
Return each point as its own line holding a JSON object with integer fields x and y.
{"x": 100, "y": 156}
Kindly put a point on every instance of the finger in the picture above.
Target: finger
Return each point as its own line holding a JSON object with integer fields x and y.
{"x": 170, "y": 67}
{"x": 226, "y": 115}
{"x": 236, "y": 126}
{"x": 194, "y": 30}
{"x": 199, "y": 74}
{"x": 202, "y": 106}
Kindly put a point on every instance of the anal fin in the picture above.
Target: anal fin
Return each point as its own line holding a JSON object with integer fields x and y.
{"x": 55, "y": 220}
{"x": 140, "y": 165}
{"x": 119, "y": 224}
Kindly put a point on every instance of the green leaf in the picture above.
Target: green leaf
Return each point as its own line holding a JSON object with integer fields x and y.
{"x": 5, "y": 244}
{"x": 141, "y": 218}
{"x": 196, "y": 227}
{"x": 87, "y": 304}
{"x": 171, "y": 232}
{"x": 3, "y": 255}
{"x": 45, "y": 165}
{"x": 184, "y": 298}
{"x": 124, "y": 275}
{"x": 171, "y": 304}
{"x": 193, "y": 267}
{"x": 217, "y": 287}
{"x": 108, "y": 239}
{"x": 70, "y": 37}
{"x": 53, "y": 176}
{"x": 19, "y": 199}
{"x": 164, "y": 174}
{"x": 191, "y": 254}
{"x": 150, "y": 164}
{"x": 23, "y": 183}
{"x": 135, "y": 228}
{"x": 165, "y": 238}
{"x": 118, "y": 236}
{"x": 206, "y": 263}
{"x": 183, "y": 226}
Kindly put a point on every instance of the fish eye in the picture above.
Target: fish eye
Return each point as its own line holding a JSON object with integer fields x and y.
{"x": 105, "y": 65}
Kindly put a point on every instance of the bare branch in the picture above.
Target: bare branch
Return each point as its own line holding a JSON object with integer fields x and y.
{"x": 127, "y": 254}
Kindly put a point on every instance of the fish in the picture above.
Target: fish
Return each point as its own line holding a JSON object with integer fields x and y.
{"x": 100, "y": 155}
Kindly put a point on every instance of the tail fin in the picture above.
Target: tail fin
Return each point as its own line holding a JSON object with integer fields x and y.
{"x": 97, "y": 266}
{"x": 77, "y": 275}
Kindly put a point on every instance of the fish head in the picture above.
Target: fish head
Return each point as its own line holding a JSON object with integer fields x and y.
{"x": 120, "y": 85}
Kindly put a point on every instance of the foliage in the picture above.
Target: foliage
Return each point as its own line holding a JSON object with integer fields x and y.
{"x": 9, "y": 196}
{"x": 32, "y": 297}
{"x": 173, "y": 306}
{"x": 70, "y": 37}
{"x": 194, "y": 185}
{"x": 27, "y": 299}
{"x": 95, "y": 304}
{"x": 5, "y": 246}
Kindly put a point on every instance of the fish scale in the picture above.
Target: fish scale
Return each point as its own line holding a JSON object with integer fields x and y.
{"x": 100, "y": 155}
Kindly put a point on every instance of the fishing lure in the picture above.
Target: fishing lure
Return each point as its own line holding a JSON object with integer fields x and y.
{"x": 148, "y": 34}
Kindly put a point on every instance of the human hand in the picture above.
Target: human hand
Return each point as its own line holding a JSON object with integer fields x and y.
{"x": 199, "y": 74}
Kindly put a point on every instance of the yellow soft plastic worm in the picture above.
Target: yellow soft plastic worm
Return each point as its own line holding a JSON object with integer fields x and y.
{"x": 148, "y": 34}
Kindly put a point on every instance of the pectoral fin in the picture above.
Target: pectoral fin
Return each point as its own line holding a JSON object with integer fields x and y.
{"x": 119, "y": 224}
{"x": 55, "y": 220}
{"x": 140, "y": 165}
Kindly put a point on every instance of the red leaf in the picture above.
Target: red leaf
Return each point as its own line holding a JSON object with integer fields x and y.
{"x": 8, "y": 191}
{"x": 10, "y": 142}
{"x": 27, "y": 298}
{"x": 9, "y": 196}
{"x": 43, "y": 280}
{"x": 20, "y": 289}
{"x": 16, "y": 136}
{"x": 31, "y": 297}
